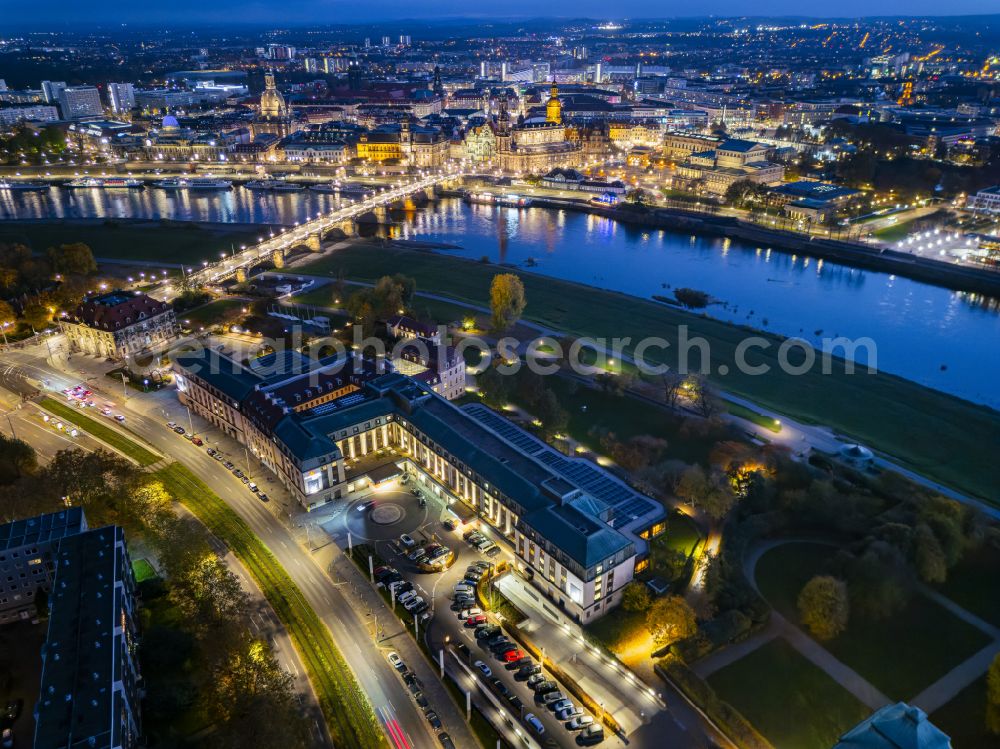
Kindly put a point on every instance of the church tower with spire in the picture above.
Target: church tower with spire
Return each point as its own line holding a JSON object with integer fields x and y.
{"x": 553, "y": 109}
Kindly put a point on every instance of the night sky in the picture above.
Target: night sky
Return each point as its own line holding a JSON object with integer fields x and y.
{"x": 58, "y": 14}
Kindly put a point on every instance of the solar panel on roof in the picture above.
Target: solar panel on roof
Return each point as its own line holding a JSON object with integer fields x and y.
{"x": 628, "y": 503}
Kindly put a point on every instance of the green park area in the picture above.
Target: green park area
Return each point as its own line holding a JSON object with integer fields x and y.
{"x": 972, "y": 583}
{"x": 792, "y": 702}
{"x": 894, "y": 232}
{"x": 349, "y": 716}
{"x": 902, "y": 654}
{"x": 171, "y": 242}
{"x": 103, "y": 432}
{"x": 963, "y": 718}
{"x": 937, "y": 435}
{"x": 215, "y": 312}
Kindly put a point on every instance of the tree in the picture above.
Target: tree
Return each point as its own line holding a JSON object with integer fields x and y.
{"x": 17, "y": 458}
{"x": 709, "y": 492}
{"x": 705, "y": 400}
{"x": 507, "y": 301}
{"x": 254, "y": 702}
{"x": 553, "y": 416}
{"x": 37, "y": 315}
{"x": 692, "y": 298}
{"x": 636, "y": 195}
{"x": 7, "y": 315}
{"x": 823, "y": 606}
{"x": 928, "y": 556}
{"x": 493, "y": 387}
{"x": 636, "y": 597}
{"x": 73, "y": 259}
{"x": 673, "y": 386}
{"x": 530, "y": 387}
{"x": 211, "y": 596}
{"x": 670, "y": 619}
{"x": 993, "y": 697}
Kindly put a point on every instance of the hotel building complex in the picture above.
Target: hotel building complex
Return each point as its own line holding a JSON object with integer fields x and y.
{"x": 579, "y": 533}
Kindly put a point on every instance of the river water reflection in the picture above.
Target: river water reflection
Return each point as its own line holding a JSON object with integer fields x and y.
{"x": 944, "y": 339}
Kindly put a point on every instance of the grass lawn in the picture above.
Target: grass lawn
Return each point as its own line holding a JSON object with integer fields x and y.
{"x": 754, "y": 417}
{"x": 212, "y": 313}
{"x": 620, "y": 632}
{"x": 972, "y": 584}
{"x": 938, "y": 435}
{"x": 894, "y": 232}
{"x": 151, "y": 241}
{"x": 788, "y": 699}
{"x": 901, "y": 655}
{"x": 348, "y": 713}
{"x": 143, "y": 570}
{"x": 101, "y": 431}
{"x": 964, "y": 718}
{"x": 424, "y": 308}
{"x": 682, "y": 534}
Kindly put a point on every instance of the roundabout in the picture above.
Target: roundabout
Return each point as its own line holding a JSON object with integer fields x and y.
{"x": 384, "y": 516}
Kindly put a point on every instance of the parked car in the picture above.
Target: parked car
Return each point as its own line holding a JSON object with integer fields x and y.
{"x": 580, "y": 722}
{"x": 417, "y": 555}
{"x": 413, "y": 603}
{"x": 593, "y": 734}
{"x": 484, "y": 633}
{"x": 474, "y": 621}
{"x": 474, "y": 611}
{"x": 513, "y": 656}
{"x": 229, "y": 466}
{"x": 396, "y": 661}
{"x": 483, "y": 668}
{"x": 526, "y": 672}
{"x": 535, "y": 679}
{"x": 406, "y": 596}
{"x": 407, "y": 540}
{"x": 179, "y": 430}
{"x": 560, "y": 705}
{"x": 515, "y": 702}
{"x": 420, "y": 699}
{"x": 446, "y": 741}
{"x": 535, "y": 723}
{"x": 212, "y": 452}
{"x": 253, "y": 487}
{"x": 551, "y": 698}
{"x": 263, "y": 497}
{"x": 501, "y": 688}
{"x": 449, "y": 525}
{"x": 544, "y": 687}
{"x": 432, "y": 718}
{"x": 7, "y": 738}
{"x": 516, "y": 665}
{"x": 420, "y": 608}
{"x": 170, "y": 424}
{"x": 245, "y": 479}
{"x": 197, "y": 441}
{"x": 567, "y": 713}
{"x": 492, "y": 552}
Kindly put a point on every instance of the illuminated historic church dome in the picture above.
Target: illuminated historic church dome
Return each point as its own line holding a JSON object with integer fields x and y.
{"x": 272, "y": 103}
{"x": 170, "y": 123}
{"x": 553, "y": 109}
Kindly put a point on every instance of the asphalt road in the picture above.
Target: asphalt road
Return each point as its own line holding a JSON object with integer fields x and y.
{"x": 332, "y": 604}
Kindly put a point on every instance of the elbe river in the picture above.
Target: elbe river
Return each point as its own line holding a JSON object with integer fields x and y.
{"x": 944, "y": 339}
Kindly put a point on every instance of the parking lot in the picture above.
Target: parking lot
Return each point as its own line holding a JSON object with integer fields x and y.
{"x": 495, "y": 671}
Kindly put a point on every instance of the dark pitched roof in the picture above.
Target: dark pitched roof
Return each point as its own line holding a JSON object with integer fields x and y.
{"x": 117, "y": 309}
